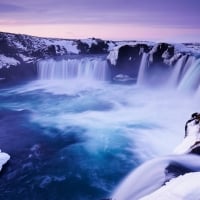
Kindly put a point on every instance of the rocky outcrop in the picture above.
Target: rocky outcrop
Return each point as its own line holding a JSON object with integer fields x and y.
{"x": 128, "y": 60}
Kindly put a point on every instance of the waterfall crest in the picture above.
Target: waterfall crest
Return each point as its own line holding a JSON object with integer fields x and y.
{"x": 90, "y": 68}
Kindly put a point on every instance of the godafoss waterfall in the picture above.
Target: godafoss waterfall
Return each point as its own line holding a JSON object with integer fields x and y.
{"x": 73, "y": 134}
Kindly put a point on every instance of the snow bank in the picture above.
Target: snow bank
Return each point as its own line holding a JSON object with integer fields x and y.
{"x": 69, "y": 45}
{"x": 7, "y": 61}
{"x": 113, "y": 55}
{"x": 89, "y": 41}
{"x": 4, "y": 157}
{"x": 184, "y": 187}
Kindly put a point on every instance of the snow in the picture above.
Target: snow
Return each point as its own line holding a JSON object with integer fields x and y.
{"x": 7, "y": 61}
{"x": 69, "y": 45}
{"x": 113, "y": 55}
{"x": 25, "y": 58}
{"x": 89, "y": 41}
{"x": 188, "y": 48}
{"x": 19, "y": 45}
{"x": 192, "y": 137}
{"x": 4, "y": 157}
{"x": 184, "y": 187}
{"x": 111, "y": 45}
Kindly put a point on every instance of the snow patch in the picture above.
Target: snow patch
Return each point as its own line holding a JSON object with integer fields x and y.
{"x": 4, "y": 157}
{"x": 113, "y": 55}
{"x": 25, "y": 58}
{"x": 7, "y": 61}
{"x": 184, "y": 187}
{"x": 89, "y": 41}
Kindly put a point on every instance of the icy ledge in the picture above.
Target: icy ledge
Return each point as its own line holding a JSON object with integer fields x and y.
{"x": 4, "y": 157}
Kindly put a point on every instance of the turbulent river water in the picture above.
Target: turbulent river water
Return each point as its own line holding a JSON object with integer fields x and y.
{"x": 77, "y": 140}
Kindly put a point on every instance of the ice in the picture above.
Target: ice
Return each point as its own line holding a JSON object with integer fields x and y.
{"x": 4, "y": 157}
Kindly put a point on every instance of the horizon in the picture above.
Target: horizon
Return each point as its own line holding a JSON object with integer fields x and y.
{"x": 145, "y": 20}
{"x": 119, "y": 40}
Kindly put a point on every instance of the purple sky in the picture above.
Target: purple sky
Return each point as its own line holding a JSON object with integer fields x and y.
{"x": 168, "y": 20}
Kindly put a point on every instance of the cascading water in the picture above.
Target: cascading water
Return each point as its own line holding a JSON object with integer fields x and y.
{"x": 173, "y": 81}
{"x": 89, "y": 68}
{"x": 154, "y": 175}
{"x": 185, "y": 74}
{"x": 68, "y": 134}
{"x": 142, "y": 69}
{"x": 190, "y": 80}
{"x": 190, "y": 61}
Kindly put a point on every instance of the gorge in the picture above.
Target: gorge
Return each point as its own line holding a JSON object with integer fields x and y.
{"x": 85, "y": 113}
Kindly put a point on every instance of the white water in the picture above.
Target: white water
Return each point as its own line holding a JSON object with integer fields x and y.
{"x": 173, "y": 81}
{"x": 185, "y": 74}
{"x": 190, "y": 61}
{"x": 87, "y": 68}
{"x": 190, "y": 80}
{"x": 151, "y": 176}
{"x": 152, "y": 120}
{"x": 142, "y": 69}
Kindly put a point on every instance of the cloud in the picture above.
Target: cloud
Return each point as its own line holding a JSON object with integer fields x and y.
{"x": 9, "y": 8}
{"x": 179, "y": 13}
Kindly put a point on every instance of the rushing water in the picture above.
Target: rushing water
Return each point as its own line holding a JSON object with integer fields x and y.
{"x": 73, "y": 135}
{"x": 77, "y": 139}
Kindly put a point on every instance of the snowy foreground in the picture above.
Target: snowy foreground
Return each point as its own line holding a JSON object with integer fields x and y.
{"x": 4, "y": 157}
{"x": 184, "y": 187}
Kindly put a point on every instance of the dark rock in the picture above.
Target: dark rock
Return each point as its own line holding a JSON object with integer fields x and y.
{"x": 22, "y": 72}
{"x": 162, "y": 48}
{"x": 175, "y": 169}
{"x": 158, "y": 70}
{"x": 129, "y": 58}
{"x": 97, "y": 47}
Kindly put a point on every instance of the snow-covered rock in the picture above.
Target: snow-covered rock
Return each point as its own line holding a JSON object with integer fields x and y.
{"x": 192, "y": 136}
{"x": 4, "y": 157}
{"x": 186, "y": 187}
{"x": 7, "y": 61}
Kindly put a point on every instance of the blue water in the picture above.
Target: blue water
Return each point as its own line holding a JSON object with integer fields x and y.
{"x": 75, "y": 140}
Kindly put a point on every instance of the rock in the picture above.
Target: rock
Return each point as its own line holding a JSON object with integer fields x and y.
{"x": 191, "y": 142}
{"x": 21, "y": 72}
{"x": 122, "y": 78}
{"x": 126, "y": 59}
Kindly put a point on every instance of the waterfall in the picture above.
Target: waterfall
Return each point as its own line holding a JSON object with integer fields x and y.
{"x": 152, "y": 175}
{"x": 90, "y": 68}
{"x": 142, "y": 69}
{"x": 191, "y": 78}
{"x": 190, "y": 61}
{"x": 176, "y": 72}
